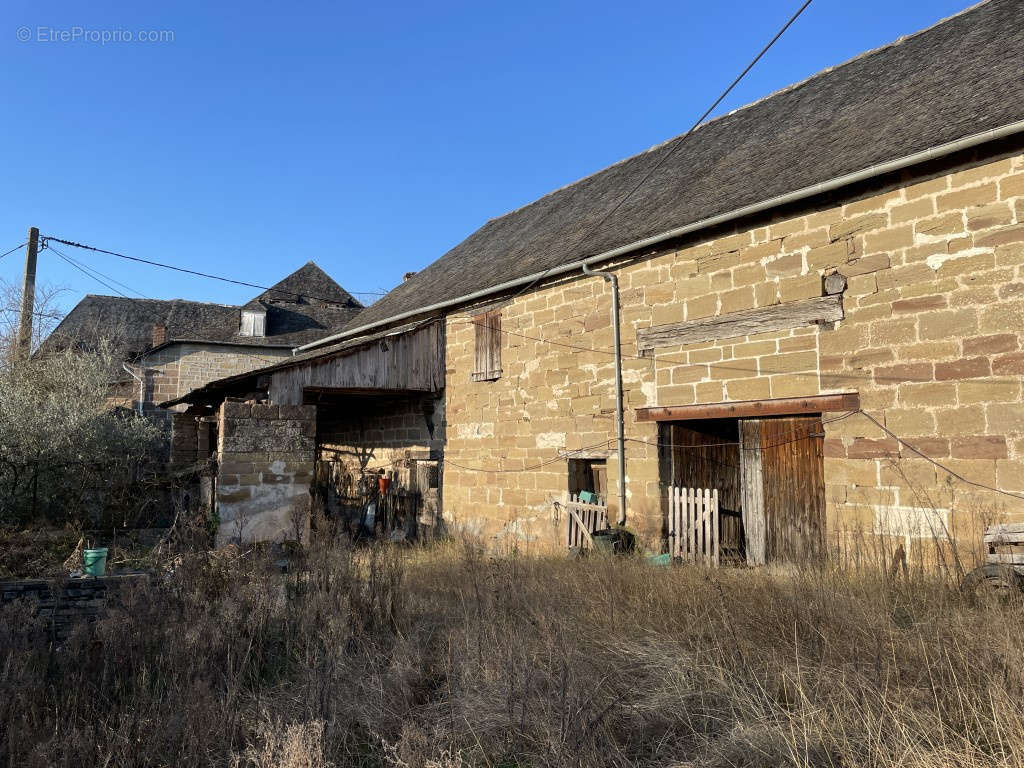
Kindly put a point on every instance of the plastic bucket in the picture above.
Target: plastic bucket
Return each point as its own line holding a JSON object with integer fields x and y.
{"x": 604, "y": 541}
{"x": 94, "y": 561}
{"x": 613, "y": 541}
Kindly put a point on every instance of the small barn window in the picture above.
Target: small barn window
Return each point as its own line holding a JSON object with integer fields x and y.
{"x": 589, "y": 476}
{"x": 488, "y": 346}
{"x": 253, "y": 323}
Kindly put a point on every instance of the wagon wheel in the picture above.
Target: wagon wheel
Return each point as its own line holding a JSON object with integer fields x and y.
{"x": 993, "y": 579}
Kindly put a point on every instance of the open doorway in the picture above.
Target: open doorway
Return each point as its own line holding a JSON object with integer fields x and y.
{"x": 589, "y": 477}
{"x": 769, "y": 476}
{"x": 705, "y": 453}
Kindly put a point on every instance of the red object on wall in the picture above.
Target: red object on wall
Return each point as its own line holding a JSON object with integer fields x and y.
{"x": 382, "y": 483}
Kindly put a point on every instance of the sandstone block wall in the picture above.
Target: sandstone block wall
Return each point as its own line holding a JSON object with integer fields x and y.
{"x": 375, "y": 434}
{"x": 266, "y": 455}
{"x": 179, "y": 368}
{"x": 932, "y": 341}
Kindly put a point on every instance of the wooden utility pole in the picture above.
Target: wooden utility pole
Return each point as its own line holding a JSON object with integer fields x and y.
{"x": 28, "y": 297}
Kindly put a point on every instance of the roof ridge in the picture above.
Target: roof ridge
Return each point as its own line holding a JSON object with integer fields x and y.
{"x": 302, "y": 276}
{"x": 785, "y": 89}
{"x": 164, "y": 301}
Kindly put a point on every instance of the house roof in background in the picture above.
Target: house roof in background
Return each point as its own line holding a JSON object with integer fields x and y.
{"x": 302, "y": 307}
{"x": 310, "y": 283}
{"x": 959, "y": 78}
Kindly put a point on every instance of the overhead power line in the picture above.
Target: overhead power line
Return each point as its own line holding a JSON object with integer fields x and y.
{"x": 73, "y": 244}
{"x": 930, "y": 460}
{"x": 91, "y": 269}
{"x": 722, "y": 365}
{"x": 582, "y": 239}
{"x": 15, "y": 248}
{"x": 87, "y": 273}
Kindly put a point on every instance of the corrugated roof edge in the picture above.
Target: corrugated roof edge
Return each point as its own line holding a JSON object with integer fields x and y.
{"x": 838, "y": 182}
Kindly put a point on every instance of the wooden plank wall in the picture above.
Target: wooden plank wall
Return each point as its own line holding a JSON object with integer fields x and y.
{"x": 708, "y": 457}
{"x": 706, "y": 454}
{"x": 752, "y": 480}
{"x": 410, "y": 361}
{"x": 792, "y": 464}
{"x": 487, "y": 366}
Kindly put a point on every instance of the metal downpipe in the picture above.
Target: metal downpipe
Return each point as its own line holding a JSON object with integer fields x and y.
{"x": 619, "y": 420}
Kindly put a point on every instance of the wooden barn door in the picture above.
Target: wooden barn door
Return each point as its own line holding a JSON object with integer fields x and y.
{"x": 784, "y": 489}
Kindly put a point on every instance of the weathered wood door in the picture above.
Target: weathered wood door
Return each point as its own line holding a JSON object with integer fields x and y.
{"x": 783, "y": 488}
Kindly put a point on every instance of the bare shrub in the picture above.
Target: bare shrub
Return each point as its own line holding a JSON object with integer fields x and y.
{"x": 65, "y": 454}
{"x": 45, "y": 316}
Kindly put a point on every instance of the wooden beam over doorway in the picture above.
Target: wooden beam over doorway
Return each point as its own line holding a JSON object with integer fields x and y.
{"x": 792, "y": 314}
{"x": 744, "y": 409}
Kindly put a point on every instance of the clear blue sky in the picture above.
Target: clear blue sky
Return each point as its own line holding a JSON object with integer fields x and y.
{"x": 370, "y": 138}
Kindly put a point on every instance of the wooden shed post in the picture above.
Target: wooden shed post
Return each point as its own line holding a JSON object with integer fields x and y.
{"x": 752, "y": 484}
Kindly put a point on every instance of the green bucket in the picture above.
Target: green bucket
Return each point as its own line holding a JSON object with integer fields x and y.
{"x": 94, "y": 561}
{"x": 662, "y": 561}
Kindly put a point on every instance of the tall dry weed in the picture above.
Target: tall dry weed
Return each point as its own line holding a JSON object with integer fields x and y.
{"x": 447, "y": 657}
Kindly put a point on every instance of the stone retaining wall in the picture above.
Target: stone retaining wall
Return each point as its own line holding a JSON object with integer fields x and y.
{"x": 65, "y": 603}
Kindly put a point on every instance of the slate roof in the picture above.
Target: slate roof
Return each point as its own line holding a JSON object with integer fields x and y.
{"x": 310, "y": 283}
{"x": 958, "y": 78}
{"x": 305, "y": 306}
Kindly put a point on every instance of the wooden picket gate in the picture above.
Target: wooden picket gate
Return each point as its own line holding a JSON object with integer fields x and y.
{"x": 693, "y": 525}
{"x": 581, "y": 515}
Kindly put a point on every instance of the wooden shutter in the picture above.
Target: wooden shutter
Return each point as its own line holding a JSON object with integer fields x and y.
{"x": 488, "y": 346}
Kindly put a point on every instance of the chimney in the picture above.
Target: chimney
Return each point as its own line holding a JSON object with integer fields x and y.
{"x": 159, "y": 334}
{"x": 407, "y": 275}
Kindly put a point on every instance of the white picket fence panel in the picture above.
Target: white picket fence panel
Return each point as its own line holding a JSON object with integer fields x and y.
{"x": 693, "y": 525}
{"x": 593, "y": 516}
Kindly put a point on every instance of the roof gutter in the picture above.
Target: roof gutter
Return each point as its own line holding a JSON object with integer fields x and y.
{"x": 790, "y": 197}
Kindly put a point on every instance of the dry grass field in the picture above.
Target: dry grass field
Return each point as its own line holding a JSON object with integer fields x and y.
{"x": 446, "y": 657}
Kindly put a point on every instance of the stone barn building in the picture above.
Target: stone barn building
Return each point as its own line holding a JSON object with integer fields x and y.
{"x": 821, "y": 313}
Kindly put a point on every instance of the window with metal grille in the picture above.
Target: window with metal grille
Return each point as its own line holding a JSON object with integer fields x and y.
{"x": 488, "y": 346}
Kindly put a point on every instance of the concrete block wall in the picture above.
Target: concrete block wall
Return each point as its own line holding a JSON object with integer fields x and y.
{"x": 932, "y": 341}
{"x": 265, "y": 456}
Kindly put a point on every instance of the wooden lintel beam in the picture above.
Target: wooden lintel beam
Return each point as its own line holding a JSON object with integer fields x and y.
{"x": 783, "y": 406}
{"x": 362, "y": 391}
{"x": 746, "y": 322}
